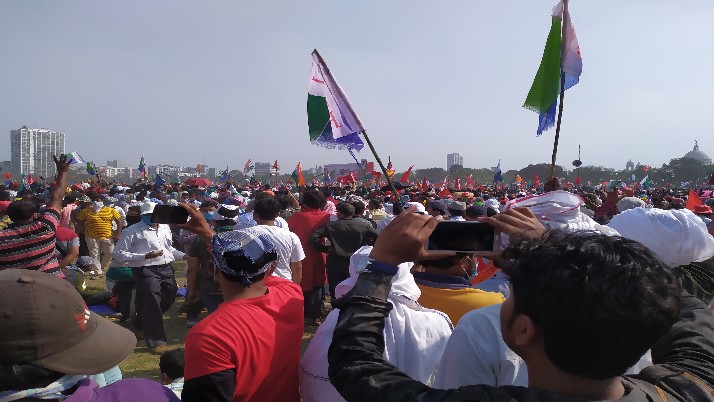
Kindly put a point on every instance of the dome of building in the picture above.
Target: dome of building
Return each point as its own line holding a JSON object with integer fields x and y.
{"x": 699, "y": 155}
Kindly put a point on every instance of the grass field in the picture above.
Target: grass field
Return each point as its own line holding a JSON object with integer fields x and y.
{"x": 143, "y": 364}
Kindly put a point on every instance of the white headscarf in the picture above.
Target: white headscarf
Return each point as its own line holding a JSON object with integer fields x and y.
{"x": 678, "y": 237}
{"x": 414, "y": 336}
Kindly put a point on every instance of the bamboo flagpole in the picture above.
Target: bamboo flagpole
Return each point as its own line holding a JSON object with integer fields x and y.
{"x": 397, "y": 206}
{"x": 564, "y": 42}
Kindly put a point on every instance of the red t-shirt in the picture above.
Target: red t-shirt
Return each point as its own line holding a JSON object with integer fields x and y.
{"x": 260, "y": 338}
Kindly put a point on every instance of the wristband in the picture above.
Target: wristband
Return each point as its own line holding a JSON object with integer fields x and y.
{"x": 376, "y": 266}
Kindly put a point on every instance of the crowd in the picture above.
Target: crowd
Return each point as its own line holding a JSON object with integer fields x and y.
{"x": 589, "y": 294}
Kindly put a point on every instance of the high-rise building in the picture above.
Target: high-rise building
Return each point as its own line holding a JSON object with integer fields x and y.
{"x": 31, "y": 150}
{"x": 116, "y": 163}
{"x": 262, "y": 169}
{"x": 454, "y": 159}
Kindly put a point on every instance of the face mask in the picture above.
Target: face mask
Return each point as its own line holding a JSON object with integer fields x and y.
{"x": 132, "y": 219}
{"x": 209, "y": 215}
{"x": 97, "y": 205}
{"x": 146, "y": 219}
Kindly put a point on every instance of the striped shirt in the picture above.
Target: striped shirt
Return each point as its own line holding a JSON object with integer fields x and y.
{"x": 98, "y": 224}
{"x": 31, "y": 246}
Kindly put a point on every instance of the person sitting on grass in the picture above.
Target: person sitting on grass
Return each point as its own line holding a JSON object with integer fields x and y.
{"x": 51, "y": 344}
{"x": 171, "y": 366}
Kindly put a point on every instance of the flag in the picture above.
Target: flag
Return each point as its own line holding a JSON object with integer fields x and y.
{"x": 224, "y": 174}
{"x": 198, "y": 168}
{"x": 297, "y": 176}
{"x": 536, "y": 181}
{"x": 74, "y": 158}
{"x": 369, "y": 167}
{"x": 142, "y": 166}
{"x": 498, "y": 177}
{"x": 91, "y": 168}
{"x": 248, "y": 167}
{"x": 331, "y": 121}
{"x": 378, "y": 176}
{"x": 645, "y": 183}
{"x": 30, "y": 180}
{"x": 543, "y": 95}
{"x": 159, "y": 181}
{"x": 469, "y": 181}
{"x": 424, "y": 184}
{"x": 276, "y": 166}
{"x": 405, "y": 177}
{"x": 693, "y": 200}
{"x": 646, "y": 168}
{"x": 457, "y": 184}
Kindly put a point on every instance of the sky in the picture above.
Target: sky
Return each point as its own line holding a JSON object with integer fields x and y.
{"x": 221, "y": 82}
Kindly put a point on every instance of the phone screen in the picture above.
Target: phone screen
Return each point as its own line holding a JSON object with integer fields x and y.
{"x": 169, "y": 214}
{"x": 462, "y": 236}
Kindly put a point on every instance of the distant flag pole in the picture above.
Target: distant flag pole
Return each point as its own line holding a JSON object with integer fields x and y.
{"x": 559, "y": 70}
{"x": 340, "y": 117}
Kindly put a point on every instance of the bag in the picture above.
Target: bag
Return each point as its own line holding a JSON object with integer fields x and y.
{"x": 120, "y": 274}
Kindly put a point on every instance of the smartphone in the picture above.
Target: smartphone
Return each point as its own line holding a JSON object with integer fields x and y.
{"x": 169, "y": 214}
{"x": 462, "y": 236}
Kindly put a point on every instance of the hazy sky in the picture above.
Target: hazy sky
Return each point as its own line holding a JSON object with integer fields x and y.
{"x": 223, "y": 81}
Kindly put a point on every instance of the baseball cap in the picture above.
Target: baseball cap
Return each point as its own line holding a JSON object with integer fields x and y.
{"x": 45, "y": 322}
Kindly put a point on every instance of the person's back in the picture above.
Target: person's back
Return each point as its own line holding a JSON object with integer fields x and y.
{"x": 257, "y": 339}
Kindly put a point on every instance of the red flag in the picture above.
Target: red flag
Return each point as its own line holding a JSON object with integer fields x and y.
{"x": 405, "y": 177}
{"x": 424, "y": 184}
{"x": 693, "y": 200}
{"x": 275, "y": 165}
{"x": 369, "y": 168}
{"x": 536, "y": 181}
{"x": 378, "y": 176}
{"x": 469, "y": 181}
{"x": 646, "y": 168}
{"x": 29, "y": 179}
{"x": 578, "y": 181}
{"x": 457, "y": 184}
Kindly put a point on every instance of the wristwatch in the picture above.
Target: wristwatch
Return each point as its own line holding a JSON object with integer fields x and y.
{"x": 376, "y": 266}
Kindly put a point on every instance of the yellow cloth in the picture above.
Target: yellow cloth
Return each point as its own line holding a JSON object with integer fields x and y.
{"x": 98, "y": 224}
{"x": 457, "y": 302}
{"x": 5, "y": 221}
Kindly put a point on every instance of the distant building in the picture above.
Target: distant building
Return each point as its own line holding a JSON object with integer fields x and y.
{"x": 110, "y": 171}
{"x": 454, "y": 159}
{"x": 629, "y": 166}
{"x": 340, "y": 169}
{"x": 117, "y": 163}
{"x": 699, "y": 155}
{"x": 31, "y": 150}
{"x": 212, "y": 172}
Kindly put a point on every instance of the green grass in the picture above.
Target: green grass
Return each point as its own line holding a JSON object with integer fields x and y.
{"x": 143, "y": 364}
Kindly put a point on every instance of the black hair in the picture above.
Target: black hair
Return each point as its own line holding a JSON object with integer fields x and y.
{"x": 314, "y": 199}
{"x": 23, "y": 209}
{"x": 346, "y": 209}
{"x": 454, "y": 212}
{"x": 375, "y": 203}
{"x": 5, "y": 195}
{"x": 261, "y": 195}
{"x": 172, "y": 363}
{"x": 25, "y": 376}
{"x": 446, "y": 262}
{"x": 267, "y": 209}
{"x": 359, "y": 207}
{"x": 284, "y": 201}
{"x": 600, "y": 301}
{"x": 209, "y": 204}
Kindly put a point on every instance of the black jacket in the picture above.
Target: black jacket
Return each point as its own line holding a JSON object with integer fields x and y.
{"x": 345, "y": 235}
{"x": 683, "y": 369}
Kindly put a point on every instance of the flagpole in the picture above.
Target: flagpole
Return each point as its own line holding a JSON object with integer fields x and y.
{"x": 397, "y": 208}
{"x": 356, "y": 161}
{"x": 562, "y": 89}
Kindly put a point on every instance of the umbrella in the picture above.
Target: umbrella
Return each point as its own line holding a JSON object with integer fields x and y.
{"x": 198, "y": 181}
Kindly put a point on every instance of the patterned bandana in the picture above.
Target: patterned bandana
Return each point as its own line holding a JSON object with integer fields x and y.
{"x": 255, "y": 248}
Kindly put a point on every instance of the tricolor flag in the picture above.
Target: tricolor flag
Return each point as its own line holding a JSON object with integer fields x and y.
{"x": 297, "y": 176}
{"x": 543, "y": 96}
{"x": 75, "y": 157}
{"x": 248, "y": 167}
{"x": 405, "y": 177}
{"x": 331, "y": 120}
{"x": 645, "y": 183}
{"x": 142, "y": 166}
{"x": 91, "y": 168}
{"x": 498, "y": 176}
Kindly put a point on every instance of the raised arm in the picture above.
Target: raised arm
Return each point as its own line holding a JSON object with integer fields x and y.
{"x": 58, "y": 191}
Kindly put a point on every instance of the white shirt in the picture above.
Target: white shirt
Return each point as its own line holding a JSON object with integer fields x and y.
{"x": 288, "y": 247}
{"x": 246, "y": 221}
{"x": 139, "y": 239}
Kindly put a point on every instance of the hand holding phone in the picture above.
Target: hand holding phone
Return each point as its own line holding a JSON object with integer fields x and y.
{"x": 463, "y": 237}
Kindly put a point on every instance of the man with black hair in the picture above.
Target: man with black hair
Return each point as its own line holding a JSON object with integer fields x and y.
{"x": 583, "y": 308}
{"x": 171, "y": 368}
{"x": 340, "y": 239}
{"x": 29, "y": 242}
{"x": 456, "y": 210}
{"x": 287, "y": 244}
{"x": 248, "y": 349}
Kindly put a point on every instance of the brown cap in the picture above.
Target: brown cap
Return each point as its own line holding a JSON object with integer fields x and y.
{"x": 45, "y": 322}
